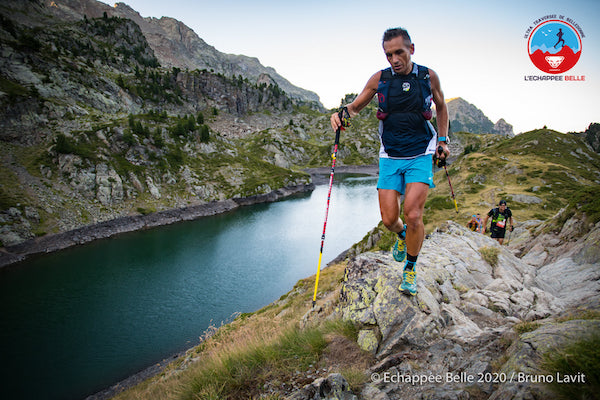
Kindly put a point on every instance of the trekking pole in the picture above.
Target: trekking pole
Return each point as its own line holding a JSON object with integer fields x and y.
{"x": 442, "y": 163}
{"x": 333, "y": 156}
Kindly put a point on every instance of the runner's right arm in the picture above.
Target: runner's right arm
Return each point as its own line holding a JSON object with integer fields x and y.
{"x": 483, "y": 229}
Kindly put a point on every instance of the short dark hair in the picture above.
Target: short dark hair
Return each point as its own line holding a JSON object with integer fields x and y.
{"x": 395, "y": 32}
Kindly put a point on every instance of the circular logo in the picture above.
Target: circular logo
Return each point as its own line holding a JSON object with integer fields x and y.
{"x": 554, "y": 46}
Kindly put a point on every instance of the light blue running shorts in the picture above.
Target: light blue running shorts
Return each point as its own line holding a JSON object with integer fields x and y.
{"x": 394, "y": 174}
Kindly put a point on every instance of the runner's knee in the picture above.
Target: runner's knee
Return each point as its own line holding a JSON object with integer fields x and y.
{"x": 413, "y": 217}
{"x": 390, "y": 221}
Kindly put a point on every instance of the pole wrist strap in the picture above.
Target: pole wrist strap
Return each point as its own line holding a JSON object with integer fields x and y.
{"x": 344, "y": 117}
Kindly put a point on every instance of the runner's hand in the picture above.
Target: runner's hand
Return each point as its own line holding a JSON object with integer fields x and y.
{"x": 340, "y": 120}
{"x": 441, "y": 154}
{"x": 445, "y": 151}
{"x": 335, "y": 122}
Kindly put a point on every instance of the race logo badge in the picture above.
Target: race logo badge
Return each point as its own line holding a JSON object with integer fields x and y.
{"x": 554, "y": 46}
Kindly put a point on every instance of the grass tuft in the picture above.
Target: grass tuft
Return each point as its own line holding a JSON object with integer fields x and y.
{"x": 490, "y": 255}
{"x": 524, "y": 327}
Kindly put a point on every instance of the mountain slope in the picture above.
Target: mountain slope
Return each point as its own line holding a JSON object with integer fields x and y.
{"x": 176, "y": 45}
{"x": 93, "y": 129}
{"x": 537, "y": 172}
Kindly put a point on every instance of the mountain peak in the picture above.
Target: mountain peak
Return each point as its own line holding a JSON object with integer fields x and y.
{"x": 466, "y": 117}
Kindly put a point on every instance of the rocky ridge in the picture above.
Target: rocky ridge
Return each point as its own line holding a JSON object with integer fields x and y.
{"x": 483, "y": 318}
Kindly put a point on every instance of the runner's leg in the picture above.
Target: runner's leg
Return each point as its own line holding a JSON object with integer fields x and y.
{"x": 414, "y": 203}
{"x": 389, "y": 206}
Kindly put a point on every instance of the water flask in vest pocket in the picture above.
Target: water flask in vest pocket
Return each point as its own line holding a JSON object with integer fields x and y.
{"x": 381, "y": 115}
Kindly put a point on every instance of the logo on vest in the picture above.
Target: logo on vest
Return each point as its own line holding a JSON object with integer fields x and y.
{"x": 406, "y": 86}
{"x": 554, "y": 44}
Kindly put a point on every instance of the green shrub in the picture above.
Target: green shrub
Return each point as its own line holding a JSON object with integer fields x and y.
{"x": 175, "y": 158}
{"x": 64, "y": 145}
{"x": 586, "y": 200}
{"x": 470, "y": 148}
{"x": 204, "y": 134}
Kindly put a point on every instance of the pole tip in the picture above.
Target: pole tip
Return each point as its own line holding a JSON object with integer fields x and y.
{"x": 313, "y": 303}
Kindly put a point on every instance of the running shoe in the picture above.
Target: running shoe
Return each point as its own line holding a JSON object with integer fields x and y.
{"x": 409, "y": 282}
{"x": 399, "y": 250}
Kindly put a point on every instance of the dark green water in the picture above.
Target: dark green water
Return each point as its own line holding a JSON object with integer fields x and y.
{"x": 77, "y": 321}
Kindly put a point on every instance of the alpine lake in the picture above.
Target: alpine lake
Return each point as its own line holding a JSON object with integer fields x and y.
{"x": 77, "y": 321}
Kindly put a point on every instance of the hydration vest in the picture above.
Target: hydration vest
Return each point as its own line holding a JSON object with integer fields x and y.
{"x": 404, "y": 111}
{"x": 424, "y": 84}
{"x": 499, "y": 219}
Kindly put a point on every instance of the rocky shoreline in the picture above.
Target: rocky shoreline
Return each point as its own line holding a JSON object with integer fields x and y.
{"x": 320, "y": 175}
{"x": 51, "y": 243}
{"x": 102, "y": 230}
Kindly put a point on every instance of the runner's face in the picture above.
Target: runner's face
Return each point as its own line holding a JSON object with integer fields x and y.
{"x": 398, "y": 54}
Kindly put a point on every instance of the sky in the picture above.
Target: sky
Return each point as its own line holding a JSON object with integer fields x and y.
{"x": 478, "y": 49}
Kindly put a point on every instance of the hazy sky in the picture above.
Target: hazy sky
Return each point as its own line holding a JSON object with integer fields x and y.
{"x": 478, "y": 49}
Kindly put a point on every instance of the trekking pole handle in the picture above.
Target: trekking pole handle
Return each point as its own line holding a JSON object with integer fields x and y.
{"x": 438, "y": 161}
{"x": 344, "y": 117}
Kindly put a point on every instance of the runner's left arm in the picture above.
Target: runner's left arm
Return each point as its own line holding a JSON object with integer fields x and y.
{"x": 441, "y": 110}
